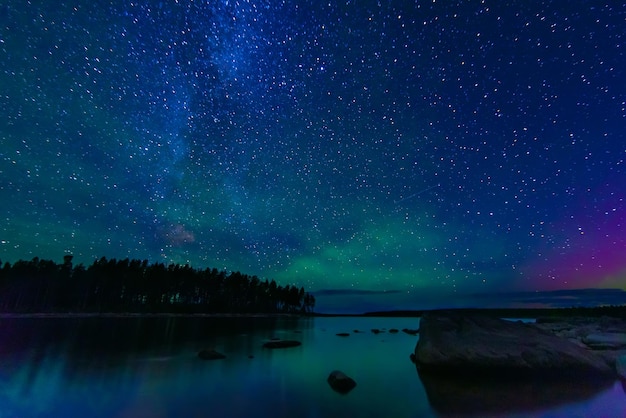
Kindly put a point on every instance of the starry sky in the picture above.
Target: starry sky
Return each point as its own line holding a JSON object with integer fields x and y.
{"x": 402, "y": 148}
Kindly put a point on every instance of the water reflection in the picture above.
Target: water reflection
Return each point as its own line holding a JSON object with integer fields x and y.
{"x": 148, "y": 367}
{"x": 479, "y": 396}
{"x": 120, "y": 366}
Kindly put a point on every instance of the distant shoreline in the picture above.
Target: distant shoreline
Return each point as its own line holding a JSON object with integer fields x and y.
{"x": 596, "y": 311}
{"x": 613, "y": 311}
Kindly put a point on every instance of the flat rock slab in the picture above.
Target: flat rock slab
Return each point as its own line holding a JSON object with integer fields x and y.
{"x": 580, "y": 327}
{"x": 460, "y": 343}
{"x": 605, "y": 340}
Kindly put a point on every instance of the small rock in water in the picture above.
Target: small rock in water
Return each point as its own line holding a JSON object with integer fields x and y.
{"x": 210, "y": 355}
{"x": 343, "y": 334}
{"x": 411, "y": 331}
{"x": 281, "y": 344}
{"x": 393, "y": 331}
{"x": 376, "y": 331}
{"x": 340, "y": 382}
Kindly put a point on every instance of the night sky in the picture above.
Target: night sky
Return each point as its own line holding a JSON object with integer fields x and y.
{"x": 405, "y": 148}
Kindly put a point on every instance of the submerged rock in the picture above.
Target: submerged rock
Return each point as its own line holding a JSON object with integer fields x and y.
{"x": 210, "y": 354}
{"x": 463, "y": 343}
{"x": 281, "y": 344}
{"x": 343, "y": 334}
{"x": 393, "y": 331}
{"x": 340, "y": 382}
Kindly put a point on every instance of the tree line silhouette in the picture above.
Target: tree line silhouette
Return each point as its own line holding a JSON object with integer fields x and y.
{"x": 110, "y": 285}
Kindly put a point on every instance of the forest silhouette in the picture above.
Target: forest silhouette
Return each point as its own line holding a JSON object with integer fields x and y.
{"x": 135, "y": 286}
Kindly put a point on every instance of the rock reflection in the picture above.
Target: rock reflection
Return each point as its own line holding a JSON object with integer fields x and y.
{"x": 477, "y": 396}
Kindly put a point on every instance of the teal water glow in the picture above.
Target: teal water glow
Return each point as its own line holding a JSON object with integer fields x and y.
{"x": 147, "y": 367}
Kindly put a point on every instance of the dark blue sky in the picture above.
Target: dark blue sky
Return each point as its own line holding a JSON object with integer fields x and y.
{"x": 430, "y": 148}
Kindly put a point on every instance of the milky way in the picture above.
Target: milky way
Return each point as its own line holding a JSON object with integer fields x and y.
{"x": 427, "y": 146}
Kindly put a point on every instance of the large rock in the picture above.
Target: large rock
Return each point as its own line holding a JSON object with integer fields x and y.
{"x": 465, "y": 343}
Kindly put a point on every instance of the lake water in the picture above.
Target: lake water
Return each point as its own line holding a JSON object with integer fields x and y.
{"x": 148, "y": 367}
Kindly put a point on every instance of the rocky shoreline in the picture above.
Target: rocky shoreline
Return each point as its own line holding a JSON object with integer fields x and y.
{"x": 453, "y": 341}
{"x": 490, "y": 365}
{"x": 603, "y": 336}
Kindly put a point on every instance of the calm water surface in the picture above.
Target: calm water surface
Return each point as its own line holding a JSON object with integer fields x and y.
{"x": 148, "y": 367}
